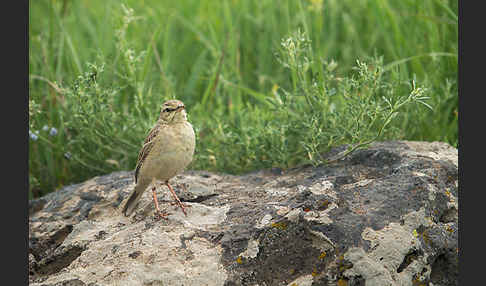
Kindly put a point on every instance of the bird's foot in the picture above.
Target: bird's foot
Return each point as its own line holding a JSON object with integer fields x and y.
{"x": 177, "y": 201}
{"x": 159, "y": 215}
{"x": 181, "y": 205}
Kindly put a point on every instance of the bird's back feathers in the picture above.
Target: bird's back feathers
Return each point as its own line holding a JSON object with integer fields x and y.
{"x": 147, "y": 146}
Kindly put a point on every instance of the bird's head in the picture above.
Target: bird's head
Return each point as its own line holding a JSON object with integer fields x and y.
{"x": 173, "y": 111}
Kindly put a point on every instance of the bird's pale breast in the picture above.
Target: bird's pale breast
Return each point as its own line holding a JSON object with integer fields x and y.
{"x": 172, "y": 152}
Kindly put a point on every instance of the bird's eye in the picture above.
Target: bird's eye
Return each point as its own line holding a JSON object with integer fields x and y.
{"x": 168, "y": 109}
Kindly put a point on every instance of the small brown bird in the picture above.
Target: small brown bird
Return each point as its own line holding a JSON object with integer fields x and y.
{"x": 167, "y": 150}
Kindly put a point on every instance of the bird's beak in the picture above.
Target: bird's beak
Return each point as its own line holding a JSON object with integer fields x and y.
{"x": 180, "y": 108}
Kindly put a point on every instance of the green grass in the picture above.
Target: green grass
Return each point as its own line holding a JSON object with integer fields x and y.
{"x": 99, "y": 71}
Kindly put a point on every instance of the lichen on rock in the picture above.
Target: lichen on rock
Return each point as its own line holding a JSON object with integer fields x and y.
{"x": 386, "y": 215}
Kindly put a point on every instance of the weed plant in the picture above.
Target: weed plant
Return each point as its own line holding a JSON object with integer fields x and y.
{"x": 266, "y": 83}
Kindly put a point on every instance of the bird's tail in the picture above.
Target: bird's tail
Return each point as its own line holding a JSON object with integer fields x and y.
{"x": 132, "y": 201}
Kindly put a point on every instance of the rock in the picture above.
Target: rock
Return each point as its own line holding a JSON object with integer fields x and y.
{"x": 386, "y": 215}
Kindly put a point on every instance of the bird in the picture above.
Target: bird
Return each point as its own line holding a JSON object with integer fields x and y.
{"x": 167, "y": 150}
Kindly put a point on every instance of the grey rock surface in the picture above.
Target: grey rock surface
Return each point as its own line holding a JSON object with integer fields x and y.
{"x": 386, "y": 215}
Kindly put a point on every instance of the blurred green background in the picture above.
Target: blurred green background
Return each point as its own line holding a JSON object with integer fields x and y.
{"x": 99, "y": 71}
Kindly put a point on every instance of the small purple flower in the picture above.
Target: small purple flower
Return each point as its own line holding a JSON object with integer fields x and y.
{"x": 33, "y": 135}
{"x": 53, "y": 131}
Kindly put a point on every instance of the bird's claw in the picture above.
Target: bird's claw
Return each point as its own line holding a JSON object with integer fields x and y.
{"x": 159, "y": 215}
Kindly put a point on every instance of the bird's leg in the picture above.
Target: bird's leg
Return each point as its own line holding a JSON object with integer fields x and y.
{"x": 176, "y": 198}
{"x": 178, "y": 202}
{"x": 157, "y": 210}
